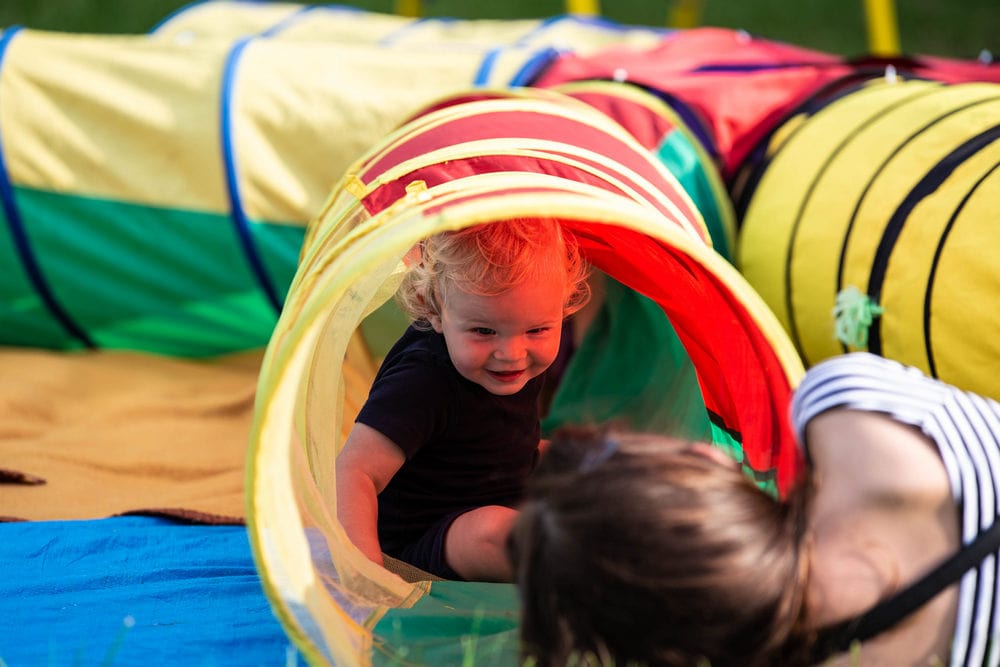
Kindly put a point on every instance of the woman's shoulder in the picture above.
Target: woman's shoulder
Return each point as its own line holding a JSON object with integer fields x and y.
{"x": 873, "y": 457}
{"x": 868, "y": 382}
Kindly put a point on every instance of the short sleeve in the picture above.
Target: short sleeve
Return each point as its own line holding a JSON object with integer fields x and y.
{"x": 868, "y": 382}
{"x": 408, "y": 403}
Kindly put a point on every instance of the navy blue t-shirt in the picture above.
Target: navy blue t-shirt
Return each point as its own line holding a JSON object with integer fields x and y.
{"x": 464, "y": 446}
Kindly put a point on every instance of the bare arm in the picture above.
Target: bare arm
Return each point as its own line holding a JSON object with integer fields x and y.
{"x": 364, "y": 467}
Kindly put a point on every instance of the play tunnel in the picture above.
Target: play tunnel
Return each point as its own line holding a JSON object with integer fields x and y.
{"x": 870, "y": 225}
{"x": 155, "y": 192}
{"x": 471, "y": 162}
{"x": 155, "y": 189}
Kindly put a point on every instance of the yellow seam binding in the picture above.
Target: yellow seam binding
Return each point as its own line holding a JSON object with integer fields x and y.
{"x": 355, "y": 187}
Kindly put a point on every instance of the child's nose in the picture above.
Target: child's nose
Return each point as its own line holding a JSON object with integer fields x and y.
{"x": 511, "y": 348}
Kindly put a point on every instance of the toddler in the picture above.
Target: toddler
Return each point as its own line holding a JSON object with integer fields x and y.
{"x": 437, "y": 460}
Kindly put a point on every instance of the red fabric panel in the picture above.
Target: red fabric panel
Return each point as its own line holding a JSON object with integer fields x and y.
{"x": 739, "y": 88}
{"x": 529, "y": 125}
{"x": 647, "y": 126}
{"x": 435, "y": 174}
{"x": 742, "y": 379}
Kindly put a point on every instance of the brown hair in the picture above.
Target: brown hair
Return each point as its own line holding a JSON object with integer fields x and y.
{"x": 638, "y": 549}
{"x": 488, "y": 259}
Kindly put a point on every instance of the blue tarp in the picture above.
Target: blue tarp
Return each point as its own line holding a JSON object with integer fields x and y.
{"x": 133, "y": 591}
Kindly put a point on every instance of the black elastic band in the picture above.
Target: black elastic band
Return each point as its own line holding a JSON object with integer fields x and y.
{"x": 838, "y": 638}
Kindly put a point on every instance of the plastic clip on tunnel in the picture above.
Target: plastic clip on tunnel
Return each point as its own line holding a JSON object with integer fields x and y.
{"x": 539, "y": 154}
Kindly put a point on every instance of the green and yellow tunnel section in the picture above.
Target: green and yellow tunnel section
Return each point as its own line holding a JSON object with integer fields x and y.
{"x": 155, "y": 188}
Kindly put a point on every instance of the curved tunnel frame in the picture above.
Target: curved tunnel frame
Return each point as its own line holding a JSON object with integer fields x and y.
{"x": 290, "y": 479}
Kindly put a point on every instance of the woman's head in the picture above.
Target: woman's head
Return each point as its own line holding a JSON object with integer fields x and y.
{"x": 642, "y": 549}
{"x": 488, "y": 260}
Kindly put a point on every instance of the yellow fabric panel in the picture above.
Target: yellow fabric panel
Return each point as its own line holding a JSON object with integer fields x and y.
{"x": 786, "y": 203}
{"x": 585, "y": 37}
{"x": 224, "y": 19}
{"x": 578, "y": 36}
{"x": 866, "y": 155}
{"x": 297, "y": 129}
{"x": 908, "y": 274}
{"x": 964, "y": 297}
{"x": 448, "y": 34}
{"x": 290, "y": 497}
{"x": 139, "y": 120}
{"x": 843, "y": 210}
{"x": 905, "y": 163}
{"x": 116, "y": 117}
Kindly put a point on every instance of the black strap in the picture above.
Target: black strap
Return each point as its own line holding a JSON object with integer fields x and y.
{"x": 839, "y": 637}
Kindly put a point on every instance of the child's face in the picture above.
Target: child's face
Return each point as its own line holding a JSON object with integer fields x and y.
{"x": 500, "y": 342}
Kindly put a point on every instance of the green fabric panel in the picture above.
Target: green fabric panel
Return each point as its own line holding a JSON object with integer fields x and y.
{"x": 767, "y": 480}
{"x": 24, "y": 319}
{"x": 681, "y": 159}
{"x": 456, "y": 623}
{"x": 279, "y": 245}
{"x": 160, "y": 280}
{"x": 632, "y": 369}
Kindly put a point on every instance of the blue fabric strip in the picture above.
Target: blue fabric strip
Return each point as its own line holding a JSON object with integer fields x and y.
{"x": 239, "y": 218}
{"x": 482, "y": 77}
{"x": 534, "y": 66}
{"x": 289, "y": 20}
{"x": 394, "y": 37}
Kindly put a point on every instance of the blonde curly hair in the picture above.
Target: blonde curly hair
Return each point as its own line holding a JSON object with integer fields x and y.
{"x": 488, "y": 259}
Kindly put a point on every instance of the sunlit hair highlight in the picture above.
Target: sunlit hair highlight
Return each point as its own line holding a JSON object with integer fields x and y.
{"x": 488, "y": 260}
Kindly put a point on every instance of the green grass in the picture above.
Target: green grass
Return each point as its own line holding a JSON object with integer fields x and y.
{"x": 953, "y": 28}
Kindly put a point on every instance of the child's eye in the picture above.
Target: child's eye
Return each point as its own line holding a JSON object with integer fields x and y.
{"x": 482, "y": 331}
{"x": 539, "y": 330}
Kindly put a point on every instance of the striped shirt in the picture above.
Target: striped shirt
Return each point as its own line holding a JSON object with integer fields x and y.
{"x": 966, "y": 429}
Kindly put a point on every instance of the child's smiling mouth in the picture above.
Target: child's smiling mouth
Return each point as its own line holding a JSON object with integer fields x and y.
{"x": 506, "y": 376}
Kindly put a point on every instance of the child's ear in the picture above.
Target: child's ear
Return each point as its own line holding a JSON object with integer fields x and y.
{"x": 433, "y": 318}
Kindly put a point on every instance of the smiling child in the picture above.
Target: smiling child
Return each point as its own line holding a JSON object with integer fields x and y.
{"x": 437, "y": 460}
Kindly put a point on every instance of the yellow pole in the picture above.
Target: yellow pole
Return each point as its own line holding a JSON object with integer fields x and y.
{"x": 408, "y": 8}
{"x": 883, "y": 35}
{"x": 589, "y": 7}
{"x": 685, "y": 14}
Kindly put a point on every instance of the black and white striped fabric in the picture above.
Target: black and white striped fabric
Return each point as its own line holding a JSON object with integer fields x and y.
{"x": 966, "y": 429}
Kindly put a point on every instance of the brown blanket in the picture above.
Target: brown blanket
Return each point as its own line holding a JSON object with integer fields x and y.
{"x": 94, "y": 434}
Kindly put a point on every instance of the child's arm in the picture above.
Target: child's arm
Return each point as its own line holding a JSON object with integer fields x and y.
{"x": 364, "y": 466}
